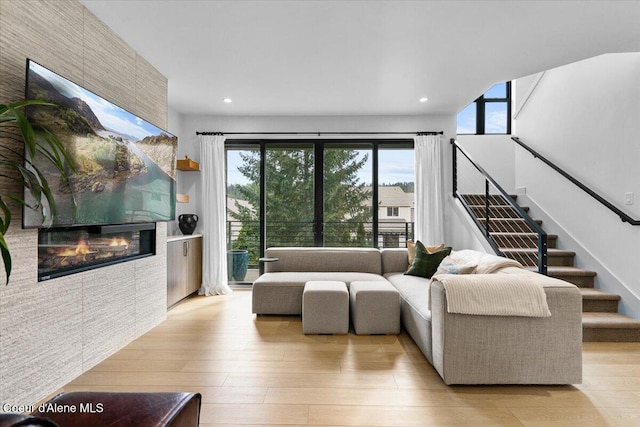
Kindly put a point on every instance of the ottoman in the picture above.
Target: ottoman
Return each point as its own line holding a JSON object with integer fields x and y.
{"x": 375, "y": 308}
{"x": 325, "y": 307}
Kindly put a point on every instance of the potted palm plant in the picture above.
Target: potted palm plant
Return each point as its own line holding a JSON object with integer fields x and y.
{"x": 21, "y": 141}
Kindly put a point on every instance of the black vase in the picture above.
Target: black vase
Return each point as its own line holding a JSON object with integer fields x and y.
{"x": 187, "y": 223}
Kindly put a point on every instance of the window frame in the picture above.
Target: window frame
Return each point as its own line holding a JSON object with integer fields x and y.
{"x": 376, "y": 145}
{"x": 481, "y": 103}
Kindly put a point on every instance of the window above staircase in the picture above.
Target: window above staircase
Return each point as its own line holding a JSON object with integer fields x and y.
{"x": 489, "y": 114}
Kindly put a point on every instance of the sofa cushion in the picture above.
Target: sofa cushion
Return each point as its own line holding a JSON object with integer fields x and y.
{"x": 298, "y": 278}
{"x": 426, "y": 264}
{"x": 312, "y": 259}
{"x": 281, "y": 292}
{"x": 394, "y": 260}
{"x": 414, "y": 290}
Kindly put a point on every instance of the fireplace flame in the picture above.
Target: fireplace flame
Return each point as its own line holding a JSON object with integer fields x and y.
{"x": 81, "y": 249}
{"x": 119, "y": 242}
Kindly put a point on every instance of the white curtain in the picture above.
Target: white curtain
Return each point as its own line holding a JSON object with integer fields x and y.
{"x": 214, "y": 252}
{"x": 429, "y": 209}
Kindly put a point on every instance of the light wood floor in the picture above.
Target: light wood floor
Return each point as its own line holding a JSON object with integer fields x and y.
{"x": 264, "y": 371}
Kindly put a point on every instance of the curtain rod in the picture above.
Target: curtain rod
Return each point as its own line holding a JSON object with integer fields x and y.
{"x": 418, "y": 133}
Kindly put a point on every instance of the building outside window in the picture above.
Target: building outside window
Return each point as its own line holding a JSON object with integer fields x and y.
{"x": 392, "y": 211}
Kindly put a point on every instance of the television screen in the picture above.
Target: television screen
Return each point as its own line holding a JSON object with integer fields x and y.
{"x": 124, "y": 166}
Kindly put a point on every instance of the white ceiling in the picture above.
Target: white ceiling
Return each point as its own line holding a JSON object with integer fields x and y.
{"x": 359, "y": 57}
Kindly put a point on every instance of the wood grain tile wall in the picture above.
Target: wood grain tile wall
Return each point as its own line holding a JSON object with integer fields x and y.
{"x": 51, "y": 332}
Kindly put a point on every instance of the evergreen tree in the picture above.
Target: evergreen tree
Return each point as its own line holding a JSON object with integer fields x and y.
{"x": 290, "y": 199}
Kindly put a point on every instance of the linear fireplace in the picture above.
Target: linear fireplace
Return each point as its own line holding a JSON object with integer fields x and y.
{"x": 63, "y": 251}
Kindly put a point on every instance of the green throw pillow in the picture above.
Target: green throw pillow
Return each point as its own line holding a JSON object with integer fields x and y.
{"x": 426, "y": 264}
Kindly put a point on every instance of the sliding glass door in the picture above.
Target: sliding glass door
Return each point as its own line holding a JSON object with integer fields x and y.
{"x": 289, "y": 195}
{"x": 347, "y": 194}
{"x": 318, "y": 193}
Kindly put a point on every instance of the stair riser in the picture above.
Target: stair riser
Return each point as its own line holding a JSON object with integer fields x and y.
{"x": 510, "y": 227}
{"x": 555, "y": 261}
{"x": 522, "y": 242}
{"x": 607, "y": 306}
{"x": 477, "y": 199}
{"x": 496, "y": 212}
{"x": 610, "y": 335}
{"x": 560, "y": 261}
{"x": 579, "y": 281}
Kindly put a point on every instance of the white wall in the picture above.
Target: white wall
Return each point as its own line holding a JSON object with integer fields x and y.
{"x": 186, "y": 181}
{"x": 584, "y": 117}
{"x": 189, "y": 142}
{"x": 495, "y": 154}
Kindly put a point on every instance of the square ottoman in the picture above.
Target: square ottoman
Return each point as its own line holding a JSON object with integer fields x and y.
{"x": 325, "y": 307}
{"x": 375, "y": 308}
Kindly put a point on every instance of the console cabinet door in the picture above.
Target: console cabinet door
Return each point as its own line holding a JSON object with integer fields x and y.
{"x": 195, "y": 265}
{"x": 184, "y": 268}
{"x": 177, "y": 271}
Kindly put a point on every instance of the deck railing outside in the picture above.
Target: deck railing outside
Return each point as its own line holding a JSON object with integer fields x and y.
{"x": 246, "y": 235}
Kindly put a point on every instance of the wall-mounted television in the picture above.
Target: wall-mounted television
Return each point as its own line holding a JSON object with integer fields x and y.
{"x": 125, "y": 167}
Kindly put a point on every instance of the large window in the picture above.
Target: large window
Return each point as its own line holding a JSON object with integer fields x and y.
{"x": 318, "y": 193}
{"x": 489, "y": 114}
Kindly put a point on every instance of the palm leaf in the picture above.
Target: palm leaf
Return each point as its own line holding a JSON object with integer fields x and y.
{"x": 6, "y": 219}
{"x": 6, "y": 257}
{"x": 27, "y": 132}
{"x": 56, "y": 147}
{"x": 44, "y": 189}
{"x": 38, "y": 141}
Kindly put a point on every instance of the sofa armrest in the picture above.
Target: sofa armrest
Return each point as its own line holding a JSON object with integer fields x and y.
{"x": 470, "y": 349}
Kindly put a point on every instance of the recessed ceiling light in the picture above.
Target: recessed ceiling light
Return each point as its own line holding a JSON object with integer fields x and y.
{"x": 424, "y": 99}
{"x": 228, "y": 100}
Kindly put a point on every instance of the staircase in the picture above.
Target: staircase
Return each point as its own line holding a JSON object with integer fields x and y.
{"x": 516, "y": 240}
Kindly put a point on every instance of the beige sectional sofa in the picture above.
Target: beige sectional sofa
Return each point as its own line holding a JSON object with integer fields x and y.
{"x": 279, "y": 289}
{"x": 463, "y": 348}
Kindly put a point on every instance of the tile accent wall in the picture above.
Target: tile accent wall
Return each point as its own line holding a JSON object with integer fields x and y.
{"x": 51, "y": 332}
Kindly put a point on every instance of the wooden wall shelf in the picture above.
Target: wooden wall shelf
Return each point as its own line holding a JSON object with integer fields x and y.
{"x": 188, "y": 165}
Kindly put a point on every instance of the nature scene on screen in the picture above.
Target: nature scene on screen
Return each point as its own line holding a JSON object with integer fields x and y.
{"x": 125, "y": 167}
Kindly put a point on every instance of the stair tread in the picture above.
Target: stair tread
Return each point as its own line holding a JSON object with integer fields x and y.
{"x": 539, "y": 221}
{"x": 554, "y": 271}
{"x": 524, "y": 208}
{"x": 601, "y": 320}
{"x": 598, "y": 294}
